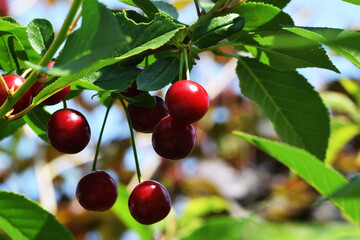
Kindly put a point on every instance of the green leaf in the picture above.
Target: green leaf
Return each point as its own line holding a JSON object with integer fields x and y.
{"x": 273, "y": 49}
{"x": 290, "y": 102}
{"x": 121, "y": 210}
{"x": 83, "y": 84}
{"x": 216, "y": 29}
{"x": 278, "y": 3}
{"x": 147, "y": 6}
{"x": 167, "y": 8}
{"x": 256, "y": 14}
{"x": 143, "y": 100}
{"x": 15, "y": 47}
{"x": 159, "y": 74}
{"x": 224, "y": 227}
{"x": 350, "y": 190}
{"x": 113, "y": 78}
{"x": 41, "y": 35}
{"x": 356, "y": 2}
{"x": 352, "y": 88}
{"x": 343, "y": 42}
{"x": 140, "y": 37}
{"x": 8, "y": 128}
{"x": 37, "y": 119}
{"x": 339, "y": 137}
{"x": 21, "y": 218}
{"x": 340, "y": 103}
{"x": 324, "y": 179}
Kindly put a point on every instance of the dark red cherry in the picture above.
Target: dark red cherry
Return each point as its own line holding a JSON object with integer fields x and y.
{"x": 187, "y": 101}
{"x": 57, "y": 97}
{"x": 3, "y": 8}
{"x": 173, "y": 139}
{"x": 36, "y": 88}
{"x": 97, "y": 191}
{"x": 144, "y": 119}
{"x": 14, "y": 82}
{"x": 149, "y": 202}
{"x": 68, "y": 131}
{"x": 132, "y": 91}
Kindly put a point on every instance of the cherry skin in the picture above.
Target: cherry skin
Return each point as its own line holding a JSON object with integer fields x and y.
{"x": 187, "y": 101}
{"x": 14, "y": 82}
{"x": 132, "y": 91}
{"x": 172, "y": 139}
{"x": 57, "y": 97}
{"x": 97, "y": 191}
{"x": 144, "y": 119}
{"x": 68, "y": 131}
{"x": 149, "y": 202}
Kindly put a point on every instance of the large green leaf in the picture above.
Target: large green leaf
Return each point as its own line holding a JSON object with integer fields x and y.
{"x": 350, "y": 190}
{"x": 278, "y": 3}
{"x": 23, "y": 219}
{"x": 121, "y": 210}
{"x": 159, "y": 74}
{"x": 41, "y": 35}
{"x": 113, "y": 78}
{"x": 272, "y": 48}
{"x": 167, "y": 8}
{"x": 37, "y": 120}
{"x": 290, "y": 102}
{"x": 10, "y": 127}
{"x": 357, "y": 2}
{"x": 147, "y": 6}
{"x": 217, "y": 29}
{"x": 324, "y": 179}
{"x": 15, "y": 47}
{"x": 256, "y": 14}
{"x": 139, "y": 38}
{"x": 343, "y": 42}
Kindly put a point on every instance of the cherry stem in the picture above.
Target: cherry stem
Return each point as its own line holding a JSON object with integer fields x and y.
{"x": 101, "y": 133}
{"x": 5, "y": 86}
{"x": 132, "y": 139}
{"x": 26, "y": 72}
{"x": 197, "y": 8}
{"x": 64, "y": 103}
{"x": 186, "y": 64}
{"x": 181, "y": 68}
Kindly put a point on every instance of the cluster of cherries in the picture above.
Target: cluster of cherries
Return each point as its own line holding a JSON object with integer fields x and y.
{"x": 173, "y": 137}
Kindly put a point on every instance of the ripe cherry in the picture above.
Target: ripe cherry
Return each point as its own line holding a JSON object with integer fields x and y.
{"x": 132, "y": 91}
{"x": 14, "y": 82}
{"x": 173, "y": 139}
{"x": 144, "y": 119}
{"x": 57, "y": 97}
{"x": 187, "y": 101}
{"x": 68, "y": 131}
{"x": 97, "y": 191}
{"x": 149, "y": 202}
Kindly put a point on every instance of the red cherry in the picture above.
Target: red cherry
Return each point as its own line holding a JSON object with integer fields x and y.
{"x": 35, "y": 89}
{"x": 3, "y": 8}
{"x": 68, "y": 131}
{"x": 187, "y": 101}
{"x": 132, "y": 91}
{"x": 144, "y": 119}
{"x": 14, "y": 82}
{"x": 97, "y": 191}
{"x": 149, "y": 202}
{"x": 173, "y": 139}
{"x": 57, "y": 97}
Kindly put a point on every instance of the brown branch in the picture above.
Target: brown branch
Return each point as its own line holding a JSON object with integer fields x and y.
{"x": 197, "y": 8}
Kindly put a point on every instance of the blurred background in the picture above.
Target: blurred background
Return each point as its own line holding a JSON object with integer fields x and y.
{"x": 226, "y": 189}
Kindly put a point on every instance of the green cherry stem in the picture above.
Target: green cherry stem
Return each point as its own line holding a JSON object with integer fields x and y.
{"x": 101, "y": 133}
{"x": 186, "y": 64}
{"x": 181, "y": 67}
{"x": 132, "y": 139}
{"x": 64, "y": 103}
